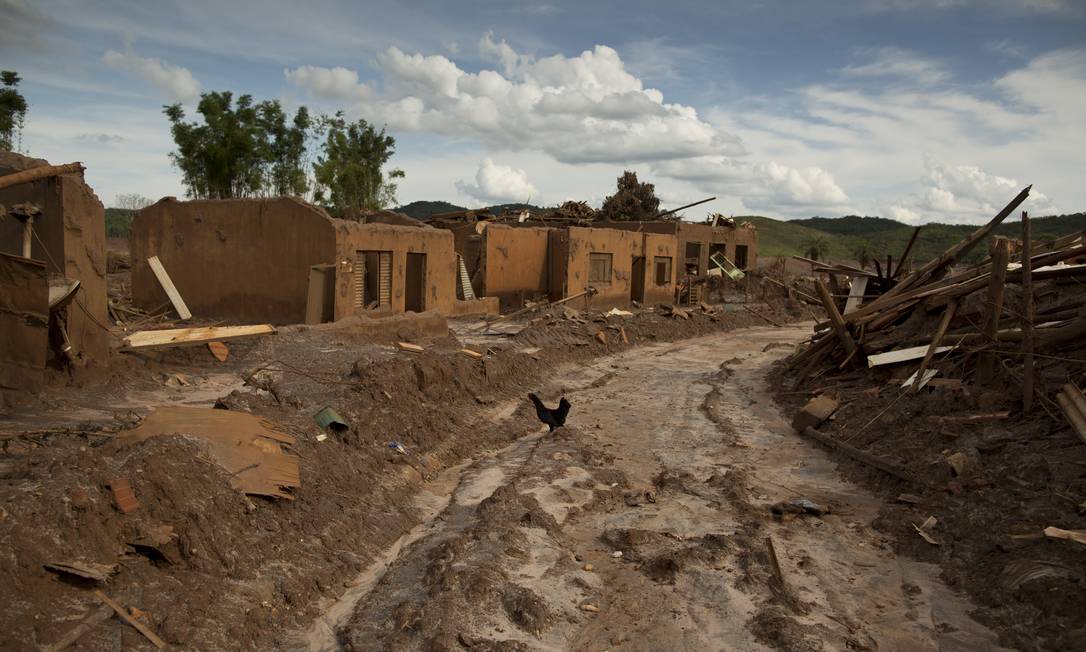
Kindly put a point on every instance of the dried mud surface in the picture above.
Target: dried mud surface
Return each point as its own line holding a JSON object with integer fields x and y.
{"x": 1021, "y": 475}
{"x": 251, "y": 573}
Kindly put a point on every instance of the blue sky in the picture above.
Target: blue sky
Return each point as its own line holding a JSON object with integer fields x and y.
{"x": 921, "y": 110}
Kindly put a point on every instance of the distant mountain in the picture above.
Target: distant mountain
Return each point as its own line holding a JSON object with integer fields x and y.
{"x": 421, "y": 210}
{"x": 845, "y": 236}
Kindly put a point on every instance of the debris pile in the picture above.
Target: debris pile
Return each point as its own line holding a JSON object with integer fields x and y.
{"x": 1014, "y": 313}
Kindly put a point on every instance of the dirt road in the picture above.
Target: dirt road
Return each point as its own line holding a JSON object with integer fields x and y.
{"x": 643, "y": 525}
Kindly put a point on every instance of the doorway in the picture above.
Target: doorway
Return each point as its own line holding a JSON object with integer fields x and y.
{"x": 637, "y": 279}
{"x": 415, "y": 283}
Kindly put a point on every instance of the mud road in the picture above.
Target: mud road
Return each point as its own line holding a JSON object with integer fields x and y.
{"x": 643, "y": 525}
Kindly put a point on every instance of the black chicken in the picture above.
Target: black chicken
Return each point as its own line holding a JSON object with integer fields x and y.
{"x": 555, "y": 418}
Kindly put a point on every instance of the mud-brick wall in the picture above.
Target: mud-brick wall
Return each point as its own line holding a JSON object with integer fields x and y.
{"x": 24, "y": 323}
{"x": 437, "y": 244}
{"x": 516, "y": 263}
{"x": 240, "y": 260}
{"x": 623, "y": 246}
{"x": 72, "y": 228}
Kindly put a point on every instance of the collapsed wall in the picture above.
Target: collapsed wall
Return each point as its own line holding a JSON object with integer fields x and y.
{"x": 70, "y": 239}
{"x": 243, "y": 260}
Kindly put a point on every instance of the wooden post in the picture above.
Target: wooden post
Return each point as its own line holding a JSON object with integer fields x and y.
{"x": 1027, "y": 316}
{"x": 28, "y": 232}
{"x": 836, "y": 320}
{"x": 996, "y": 285}
{"x": 935, "y": 341}
{"x": 905, "y": 254}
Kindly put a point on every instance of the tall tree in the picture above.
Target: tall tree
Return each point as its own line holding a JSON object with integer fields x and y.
{"x": 13, "y": 109}
{"x": 132, "y": 201}
{"x": 632, "y": 200}
{"x": 241, "y": 149}
{"x": 349, "y": 175}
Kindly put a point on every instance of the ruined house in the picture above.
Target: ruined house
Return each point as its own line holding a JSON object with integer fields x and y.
{"x": 698, "y": 242}
{"x": 68, "y": 242}
{"x": 268, "y": 260}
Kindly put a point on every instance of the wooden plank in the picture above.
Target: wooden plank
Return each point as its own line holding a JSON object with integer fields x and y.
{"x": 72, "y": 635}
{"x": 835, "y": 318}
{"x": 1069, "y": 405}
{"x": 856, "y": 293}
{"x": 183, "y": 336}
{"x": 124, "y": 615}
{"x": 410, "y": 348}
{"x": 997, "y": 283}
{"x": 1027, "y": 315}
{"x": 948, "y": 314}
{"x": 859, "y": 455}
{"x": 903, "y": 355}
{"x": 167, "y": 285}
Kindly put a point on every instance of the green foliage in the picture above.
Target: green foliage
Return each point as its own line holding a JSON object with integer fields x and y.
{"x": 633, "y": 201}
{"x": 13, "y": 108}
{"x": 349, "y": 174}
{"x": 863, "y": 252}
{"x": 118, "y": 222}
{"x": 788, "y": 238}
{"x": 816, "y": 247}
{"x": 422, "y": 210}
{"x": 241, "y": 149}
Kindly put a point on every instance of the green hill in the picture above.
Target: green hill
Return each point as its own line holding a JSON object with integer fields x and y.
{"x": 881, "y": 236}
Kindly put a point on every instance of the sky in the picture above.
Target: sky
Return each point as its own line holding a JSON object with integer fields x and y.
{"x": 917, "y": 110}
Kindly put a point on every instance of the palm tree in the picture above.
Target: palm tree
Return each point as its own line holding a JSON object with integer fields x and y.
{"x": 816, "y": 247}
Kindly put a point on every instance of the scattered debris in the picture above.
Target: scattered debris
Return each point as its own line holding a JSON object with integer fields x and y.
{"x": 123, "y": 496}
{"x": 815, "y": 412}
{"x": 97, "y": 617}
{"x": 1073, "y": 404}
{"x": 219, "y": 350}
{"x": 1022, "y": 571}
{"x": 859, "y": 455}
{"x": 330, "y": 419}
{"x": 591, "y": 608}
{"x": 797, "y": 506}
{"x": 126, "y": 617}
{"x": 601, "y": 337}
{"x": 398, "y": 447}
{"x": 1078, "y": 536}
{"x": 617, "y": 312}
{"x": 410, "y": 348}
{"x": 925, "y": 528}
{"x": 248, "y": 447}
{"x": 84, "y": 569}
{"x": 471, "y": 354}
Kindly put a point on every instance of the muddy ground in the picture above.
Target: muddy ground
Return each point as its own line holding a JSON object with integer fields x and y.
{"x": 1017, "y": 474}
{"x": 244, "y": 572}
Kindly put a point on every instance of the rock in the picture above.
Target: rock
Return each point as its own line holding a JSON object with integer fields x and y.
{"x": 588, "y": 567}
{"x": 814, "y": 413}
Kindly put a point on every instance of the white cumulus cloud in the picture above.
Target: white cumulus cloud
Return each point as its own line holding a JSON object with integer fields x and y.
{"x": 499, "y": 184}
{"x": 335, "y": 83}
{"x": 176, "y": 82}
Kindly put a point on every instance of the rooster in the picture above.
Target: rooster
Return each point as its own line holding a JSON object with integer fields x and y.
{"x": 555, "y": 418}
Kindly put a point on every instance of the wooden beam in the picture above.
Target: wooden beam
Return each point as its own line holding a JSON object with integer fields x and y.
{"x": 905, "y": 254}
{"x": 836, "y": 321}
{"x": 1027, "y": 315}
{"x": 859, "y": 455}
{"x": 856, "y": 293}
{"x": 126, "y": 617}
{"x": 934, "y": 346}
{"x": 182, "y": 336}
{"x": 168, "y": 286}
{"x": 1070, "y": 400}
{"x": 35, "y": 174}
{"x": 997, "y": 283}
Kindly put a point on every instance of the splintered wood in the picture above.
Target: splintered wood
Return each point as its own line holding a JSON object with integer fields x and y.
{"x": 936, "y": 309}
{"x": 182, "y": 336}
{"x": 248, "y": 447}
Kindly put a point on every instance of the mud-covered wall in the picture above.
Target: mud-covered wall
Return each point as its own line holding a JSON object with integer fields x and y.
{"x": 703, "y": 234}
{"x": 624, "y": 246}
{"x": 24, "y": 322}
{"x": 437, "y": 244}
{"x": 72, "y": 228}
{"x": 516, "y": 263}
{"x": 241, "y": 260}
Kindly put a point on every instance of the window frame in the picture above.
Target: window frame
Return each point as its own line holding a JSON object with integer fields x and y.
{"x": 656, "y": 262}
{"x": 601, "y": 256}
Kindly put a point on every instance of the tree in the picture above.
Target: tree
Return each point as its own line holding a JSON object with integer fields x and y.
{"x": 132, "y": 202}
{"x": 632, "y": 201}
{"x": 816, "y": 247}
{"x": 349, "y": 174}
{"x": 242, "y": 149}
{"x": 13, "y": 109}
{"x": 864, "y": 252}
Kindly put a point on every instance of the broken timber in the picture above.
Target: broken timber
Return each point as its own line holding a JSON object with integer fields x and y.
{"x": 124, "y": 615}
{"x": 859, "y": 455}
{"x": 182, "y": 336}
{"x": 836, "y": 320}
{"x": 168, "y": 286}
{"x": 42, "y": 172}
